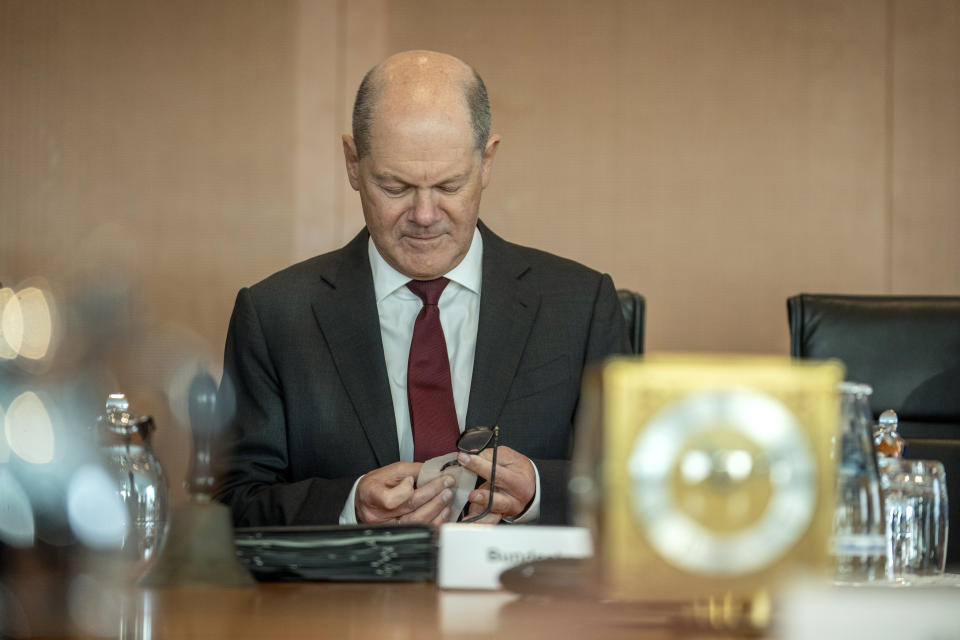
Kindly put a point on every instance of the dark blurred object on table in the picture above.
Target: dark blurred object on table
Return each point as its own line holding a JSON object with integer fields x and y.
{"x": 634, "y": 308}
{"x": 199, "y": 549}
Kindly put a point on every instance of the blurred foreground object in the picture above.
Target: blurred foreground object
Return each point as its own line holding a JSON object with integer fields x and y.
{"x": 859, "y": 544}
{"x": 29, "y": 323}
{"x": 125, "y": 440}
{"x": 707, "y": 478}
{"x": 199, "y": 548}
{"x": 68, "y": 511}
{"x": 915, "y": 508}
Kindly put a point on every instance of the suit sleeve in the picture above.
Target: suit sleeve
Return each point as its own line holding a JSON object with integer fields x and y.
{"x": 607, "y": 336}
{"x": 255, "y": 480}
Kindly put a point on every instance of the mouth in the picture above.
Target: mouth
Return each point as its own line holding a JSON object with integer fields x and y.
{"x": 423, "y": 239}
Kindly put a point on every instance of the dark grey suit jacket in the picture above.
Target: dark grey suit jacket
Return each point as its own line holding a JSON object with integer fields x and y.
{"x": 314, "y": 411}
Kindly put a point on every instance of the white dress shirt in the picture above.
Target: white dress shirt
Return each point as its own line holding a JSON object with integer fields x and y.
{"x": 398, "y": 308}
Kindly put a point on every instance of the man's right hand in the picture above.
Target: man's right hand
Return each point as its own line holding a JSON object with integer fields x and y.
{"x": 387, "y": 494}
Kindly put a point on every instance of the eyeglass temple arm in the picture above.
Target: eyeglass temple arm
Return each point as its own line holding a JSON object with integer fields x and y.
{"x": 493, "y": 475}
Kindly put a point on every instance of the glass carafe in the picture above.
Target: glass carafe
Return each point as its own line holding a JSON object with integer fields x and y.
{"x": 859, "y": 544}
{"x": 142, "y": 484}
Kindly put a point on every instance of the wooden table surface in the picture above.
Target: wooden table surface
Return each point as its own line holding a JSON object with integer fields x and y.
{"x": 344, "y": 610}
{"x": 48, "y": 593}
{"x": 392, "y": 611}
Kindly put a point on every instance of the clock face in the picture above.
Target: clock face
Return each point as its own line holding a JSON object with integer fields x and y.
{"x": 723, "y": 482}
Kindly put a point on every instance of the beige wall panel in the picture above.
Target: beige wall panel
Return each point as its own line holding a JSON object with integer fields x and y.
{"x": 338, "y": 42}
{"x": 716, "y": 156}
{"x": 319, "y": 66}
{"x": 152, "y": 142}
{"x": 926, "y": 147}
{"x": 167, "y": 123}
{"x": 363, "y": 42}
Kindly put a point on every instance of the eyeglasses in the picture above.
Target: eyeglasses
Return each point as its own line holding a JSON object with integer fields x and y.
{"x": 473, "y": 440}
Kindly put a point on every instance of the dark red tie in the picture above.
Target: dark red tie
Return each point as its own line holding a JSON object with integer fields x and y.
{"x": 429, "y": 390}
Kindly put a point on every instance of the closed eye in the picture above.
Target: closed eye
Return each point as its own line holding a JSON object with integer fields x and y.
{"x": 394, "y": 191}
{"x": 448, "y": 188}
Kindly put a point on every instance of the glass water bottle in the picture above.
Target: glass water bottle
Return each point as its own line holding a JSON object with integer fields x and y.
{"x": 859, "y": 544}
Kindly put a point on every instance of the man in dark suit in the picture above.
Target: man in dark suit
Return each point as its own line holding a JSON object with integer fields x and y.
{"x": 327, "y": 426}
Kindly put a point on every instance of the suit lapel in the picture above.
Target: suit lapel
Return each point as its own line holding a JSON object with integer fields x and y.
{"x": 348, "y": 319}
{"x": 508, "y": 307}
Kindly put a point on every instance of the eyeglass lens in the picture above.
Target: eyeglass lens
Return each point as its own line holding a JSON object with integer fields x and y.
{"x": 475, "y": 440}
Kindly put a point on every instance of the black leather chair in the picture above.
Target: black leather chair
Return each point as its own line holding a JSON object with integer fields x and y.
{"x": 908, "y": 349}
{"x": 634, "y": 310}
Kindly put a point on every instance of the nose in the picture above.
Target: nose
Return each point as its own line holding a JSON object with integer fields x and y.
{"x": 425, "y": 211}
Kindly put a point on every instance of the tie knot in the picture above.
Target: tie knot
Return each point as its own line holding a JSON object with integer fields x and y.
{"x": 428, "y": 290}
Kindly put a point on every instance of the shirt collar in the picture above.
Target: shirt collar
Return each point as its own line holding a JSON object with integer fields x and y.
{"x": 468, "y": 274}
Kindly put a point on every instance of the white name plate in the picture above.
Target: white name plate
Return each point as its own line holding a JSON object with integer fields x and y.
{"x": 472, "y": 556}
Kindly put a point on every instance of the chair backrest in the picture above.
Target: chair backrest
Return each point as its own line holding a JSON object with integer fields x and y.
{"x": 906, "y": 347}
{"x": 634, "y": 310}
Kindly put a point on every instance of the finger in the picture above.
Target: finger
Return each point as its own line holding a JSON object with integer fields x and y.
{"x": 477, "y": 463}
{"x": 508, "y": 460}
{"x": 381, "y": 491}
{"x": 429, "y": 491}
{"x": 390, "y": 498}
{"x": 509, "y": 478}
{"x": 503, "y": 503}
{"x": 393, "y": 503}
{"x": 475, "y": 510}
{"x": 431, "y": 509}
{"x": 397, "y": 472}
{"x": 444, "y": 516}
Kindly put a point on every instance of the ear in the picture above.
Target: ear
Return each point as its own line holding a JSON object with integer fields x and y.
{"x": 488, "y": 152}
{"x": 352, "y": 161}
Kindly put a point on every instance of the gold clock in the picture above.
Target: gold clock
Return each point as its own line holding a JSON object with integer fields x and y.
{"x": 707, "y": 474}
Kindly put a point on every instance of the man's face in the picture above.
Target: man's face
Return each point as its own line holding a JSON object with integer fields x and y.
{"x": 420, "y": 187}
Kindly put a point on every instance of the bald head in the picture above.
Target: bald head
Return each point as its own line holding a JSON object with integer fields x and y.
{"x": 420, "y": 83}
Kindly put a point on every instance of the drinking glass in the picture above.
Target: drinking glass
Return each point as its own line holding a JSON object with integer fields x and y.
{"x": 915, "y": 499}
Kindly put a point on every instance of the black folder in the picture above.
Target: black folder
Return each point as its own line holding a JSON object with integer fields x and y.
{"x": 348, "y": 552}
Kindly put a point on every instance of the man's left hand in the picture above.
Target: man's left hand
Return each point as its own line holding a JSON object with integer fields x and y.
{"x": 516, "y": 483}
